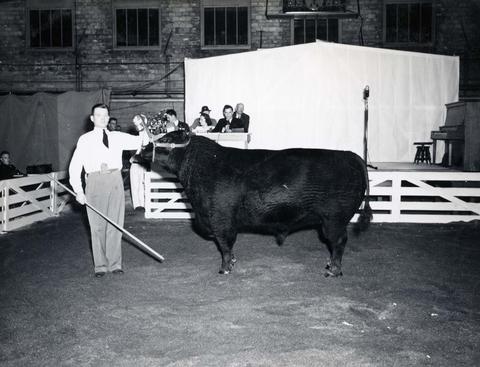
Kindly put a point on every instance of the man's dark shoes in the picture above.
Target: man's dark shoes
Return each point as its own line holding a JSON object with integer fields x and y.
{"x": 99, "y": 274}
{"x": 117, "y": 271}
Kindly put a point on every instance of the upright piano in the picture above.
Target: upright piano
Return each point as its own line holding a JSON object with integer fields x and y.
{"x": 461, "y": 134}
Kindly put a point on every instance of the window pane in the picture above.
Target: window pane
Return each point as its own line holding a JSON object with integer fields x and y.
{"x": 414, "y": 15}
{"x": 132, "y": 27}
{"x": 333, "y": 30}
{"x": 51, "y": 28}
{"x": 322, "y": 29}
{"x": 403, "y": 23}
{"x": 231, "y": 26}
{"x": 67, "y": 27}
{"x": 391, "y": 23}
{"x": 298, "y": 31}
{"x": 34, "y": 28}
{"x": 56, "y": 28}
{"x": 243, "y": 25}
{"x": 121, "y": 27}
{"x": 309, "y": 30}
{"x": 154, "y": 37}
{"x": 220, "y": 26}
{"x": 209, "y": 26}
{"x": 45, "y": 28}
{"x": 426, "y": 23}
{"x": 225, "y": 26}
{"x": 143, "y": 27}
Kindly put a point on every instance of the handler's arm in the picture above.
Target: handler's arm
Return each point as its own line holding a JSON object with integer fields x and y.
{"x": 75, "y": 171}
{"x": 134, "y": 142}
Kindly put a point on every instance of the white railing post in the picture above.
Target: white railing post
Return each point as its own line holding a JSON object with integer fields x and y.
{"x": 53, "y": 194}
{"x": 147, "y": 180}
{"x": 5, "y": 205}
{"x": 396, "y": 196}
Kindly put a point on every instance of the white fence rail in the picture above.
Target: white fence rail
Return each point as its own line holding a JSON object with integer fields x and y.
{"x": 425, "y": 196}
{"x": 26, "y": 200}
{"x": 165, "y": 197}
{"x": 396, "y": 196}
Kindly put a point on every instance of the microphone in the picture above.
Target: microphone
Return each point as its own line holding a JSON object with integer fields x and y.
{"x": 366, "y": 92}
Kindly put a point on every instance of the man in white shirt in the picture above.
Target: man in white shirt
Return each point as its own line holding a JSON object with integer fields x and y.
{"x": 99, "y": 152}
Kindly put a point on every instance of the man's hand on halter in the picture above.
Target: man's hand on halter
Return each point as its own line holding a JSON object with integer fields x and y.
{"x": 140, "y": 122}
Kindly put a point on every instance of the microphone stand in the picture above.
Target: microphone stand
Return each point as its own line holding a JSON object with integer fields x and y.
{"x": 366, "y": 94}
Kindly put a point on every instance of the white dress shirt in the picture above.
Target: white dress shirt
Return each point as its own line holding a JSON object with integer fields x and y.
{"x": 92, "y": 155}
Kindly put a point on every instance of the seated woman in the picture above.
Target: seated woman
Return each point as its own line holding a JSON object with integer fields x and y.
{"x": 203, "y": 125}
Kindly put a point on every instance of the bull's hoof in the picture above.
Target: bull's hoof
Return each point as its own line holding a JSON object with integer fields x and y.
{"x": 329, "y": 265}
{"x": 228, "y": 268}
{"x": 331, "y": 273}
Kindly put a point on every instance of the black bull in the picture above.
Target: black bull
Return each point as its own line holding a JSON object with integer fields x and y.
{"x": 266, "y": 191}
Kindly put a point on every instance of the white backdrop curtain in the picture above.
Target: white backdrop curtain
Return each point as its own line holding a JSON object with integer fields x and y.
{"x": 311, "y": 95}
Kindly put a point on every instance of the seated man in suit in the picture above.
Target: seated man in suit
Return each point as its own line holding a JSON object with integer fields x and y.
{"x": 239, "y": 114}
{"x": 228, "y": 122}
{"x": 174, "y": 123}
{"x": 7, "y": 170}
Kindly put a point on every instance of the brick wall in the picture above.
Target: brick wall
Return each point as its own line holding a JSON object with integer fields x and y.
{"x": 101, "y": 66}
{"x": 458, "y": 33}
{"x": 371, "y": 12}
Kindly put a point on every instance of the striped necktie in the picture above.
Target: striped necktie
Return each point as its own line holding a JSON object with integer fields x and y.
{"x": 105, "y": 138}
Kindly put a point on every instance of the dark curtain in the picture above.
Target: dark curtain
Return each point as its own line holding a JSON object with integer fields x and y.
{"x": 44, "y": 128}
{"x": 29, "y": 129}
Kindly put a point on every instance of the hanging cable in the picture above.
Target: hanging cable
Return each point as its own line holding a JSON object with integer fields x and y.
{"x": 144, "y": 86}
{"x": 360, "y": 33}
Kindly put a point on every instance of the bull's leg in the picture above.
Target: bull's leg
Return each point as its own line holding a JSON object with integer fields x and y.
{"x": 225, "y": 245}
{"x": 335, "y": 239}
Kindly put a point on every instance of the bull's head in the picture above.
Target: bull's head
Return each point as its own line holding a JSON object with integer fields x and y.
{"x": 159, "y": 152}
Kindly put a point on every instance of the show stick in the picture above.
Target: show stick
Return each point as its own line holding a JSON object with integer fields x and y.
{"x": 143, "y": 245}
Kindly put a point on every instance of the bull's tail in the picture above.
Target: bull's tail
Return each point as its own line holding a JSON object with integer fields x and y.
{"x": 366, "y": 215}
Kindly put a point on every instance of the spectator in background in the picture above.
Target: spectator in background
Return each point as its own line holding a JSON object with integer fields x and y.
{"x": 113, "y": 125}
{"x": 7, "y": 169}
{"x": 228, "y": 123}
{"x": 203, "y": 124}
{"x": 137, "y": 171}
{"x": 205, "y": 110}
{"x": 173, "y": 123}
{"x": 239, "y": 114}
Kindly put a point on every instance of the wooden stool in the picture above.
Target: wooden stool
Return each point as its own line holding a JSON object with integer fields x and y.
{"x": 423, "y": 152}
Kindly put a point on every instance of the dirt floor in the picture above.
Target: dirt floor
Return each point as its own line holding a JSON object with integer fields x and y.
{"x": 409, "y": 297}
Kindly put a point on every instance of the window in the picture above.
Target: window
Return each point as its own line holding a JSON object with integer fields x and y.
{"x": 50, "y": 24}
{"x": 408, "y": 22}
{"x": 225, "y": 24}
{"x": 136, "y": 24}
{"x": 309, "y": 29}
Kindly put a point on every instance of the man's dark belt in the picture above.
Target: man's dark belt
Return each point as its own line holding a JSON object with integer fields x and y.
{"x": 106, "y": 171}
